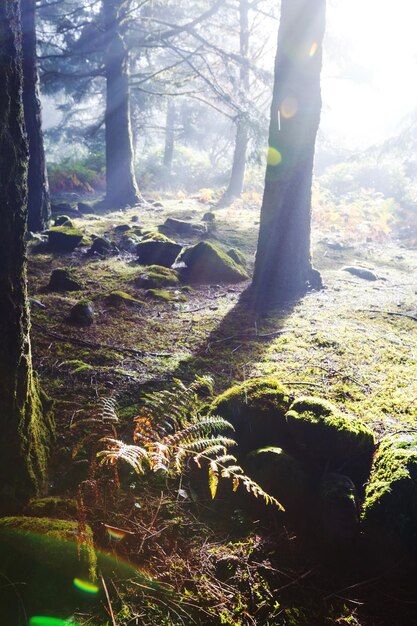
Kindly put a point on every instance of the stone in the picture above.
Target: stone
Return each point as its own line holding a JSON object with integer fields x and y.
{"x": 157, "y": 276}
{"x": 256, "y": 409}
{"x": 360, "y": 272}
{"x": 82, "y": 314}
{"x": 237, "y": 257}
{"x": 339, "y": 511}
{"x": 64, "y": 239}
{"x": 128, "y": 243}
{"x": 182, "y": 227}
{"x": 209, "y": 217}
{"x": 63, "y": 220}
{"x": 120, "y": 298}
{"x": 101, "y": 246}
{"x": 85, "y": 208}
{"x": 158, "y": 252}
{"x": 62, "y": 280}
{"x": 205, "y": 263}
{"x": 327, "y": 439}
{"x": 64, "y": 208}
{"x": 122, "y": 228}
{"x": 390, "y": 508}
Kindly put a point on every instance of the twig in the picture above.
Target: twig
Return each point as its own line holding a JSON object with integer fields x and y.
{"x": 252, "y": 336}
{"x": 410, "y": 317}
{"x": 91, "y": 344}
{"x": 108, "y": 600}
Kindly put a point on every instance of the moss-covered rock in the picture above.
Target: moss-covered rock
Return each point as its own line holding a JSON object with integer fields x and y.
{"x": 149, "y": 234}
{"x": 63, "y": 280}
{"x": 52, "y": 506}
{"x": 237, "y": 256}
{"x": 122, "y": 228}
{"x": 157, "y": 276}
{"x": 82, "y": 313}
{"x": 158, "y": 252}
{"x": 339, "y": 513}
{"x": 43, "y": 557}
{"x": 330, "y": 439}
{"x": 64, "y": 238}
{"x": 120, "y": 298}
{"x": 390, "y": 508}
{"x": 206, "y": 263}
{"x": 182, "y": 227}
{"x": 257, "y": 409}
{"x": 63, "y": 220}
{"x": 101, "y": 246}
{"x": 163, "y": 295}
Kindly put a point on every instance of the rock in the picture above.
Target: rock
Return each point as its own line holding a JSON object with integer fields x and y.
{"x": 101, "y": 246}
{"x": 390, "y": 508}
{"x": 135, "y": 218}
{"x": 119, "y": 298}
{"x": 63, "y": 280}
{"x": 64, "y": 239}
{"x": 122, "y": 228}
{"x": 163, "y": 295}
{"x": 158, "y": 252}
{"x": 128, "y": 243}
{"x": 157, "y": 276}
{"x": 327, "y": 439}
{"x": 257, "y": 410}
{"x": 37, "y": 303}
{"x": 181, "y": 227}
{"x": 63, "y": 220}
{"x": 39, "y": 237}
{"x": 42, "y": 557}
{"x": 339, "y": 514}
{"x": 360, "y": 272}
{"x": 209, "y": 217}
{"x": 82, "y": 314}
{"x": 237, "y": 256}
{"x": 157, "y": 204}
{"x": 206, "y": 263}
{"x": 280, "y": 475}
{"x": 84, "y": 207}
{"x": 64, "y": 208}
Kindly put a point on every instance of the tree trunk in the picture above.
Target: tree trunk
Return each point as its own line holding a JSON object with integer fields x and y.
{"x": 283, "y": 264}
{"x": 39, "y": 206}
{"x": 122, "y": 189}
{"x": 169, "y": 137}
{"x": 237, "y": 175}
{"x": 24, "y": 433}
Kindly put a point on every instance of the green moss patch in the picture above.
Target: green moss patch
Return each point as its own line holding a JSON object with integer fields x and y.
{"x": 330, "y": 439}
{"x": 120, "y": 298}
{"x": 390, "y": 508}
{"x": 52, "y": 506}
{"x": 206, "y": 263}
{"x": 157, "y": 276}
{"x": 163, "y": 295}
{"x": 257, "y": 409}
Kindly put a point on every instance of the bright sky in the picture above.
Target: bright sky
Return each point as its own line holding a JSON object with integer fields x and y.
{"x": 377, "y": 46}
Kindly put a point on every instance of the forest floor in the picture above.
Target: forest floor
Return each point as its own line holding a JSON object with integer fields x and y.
{"x": 354, "y": 342}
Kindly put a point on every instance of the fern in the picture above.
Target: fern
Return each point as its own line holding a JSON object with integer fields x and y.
{"x": 171, "y": 430}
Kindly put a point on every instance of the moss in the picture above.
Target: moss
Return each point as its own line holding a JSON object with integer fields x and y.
{"x": 154, "y": 235}
{"x": 163, "y": 295}
{"x": 77, "y": 366}
{"x": 257, "y": 409}
{"x": 52, "y": 506}
{"x": 329, "y": 438}
{"x": 390, "y": 507}
{"x": 206, "y": 263}
{"x": 117, "y": 298}
{"x": 157, "y": 276}
{"x": 237, "y": 256}
{"x": 63, "y": 238}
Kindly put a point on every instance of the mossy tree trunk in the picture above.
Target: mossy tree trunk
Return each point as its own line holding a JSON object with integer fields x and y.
{"x": 122, "y": 188}
{"x": 237, "y": 175}
{"x": 24, "y": 433}
{"x": 39, "y": 206}
{"x": 283, "y": 266}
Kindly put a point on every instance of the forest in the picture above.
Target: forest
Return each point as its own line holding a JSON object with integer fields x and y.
{"x": 208, "y": 283}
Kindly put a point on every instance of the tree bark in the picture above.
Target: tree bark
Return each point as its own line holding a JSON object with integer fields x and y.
{"x": 237, "y": 175}
{"x": 283, "y": 264}
{"x": 24, "y": 433}
{"x": 122, "y": 189}
{"x": 39, "y": 206}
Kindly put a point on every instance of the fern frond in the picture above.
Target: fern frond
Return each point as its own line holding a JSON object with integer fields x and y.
{"x": 199, "y": 445}
{"x": 118, "y": 450}
{"x": 213, "y": 479}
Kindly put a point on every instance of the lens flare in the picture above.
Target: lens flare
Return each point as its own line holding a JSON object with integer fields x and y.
{"x": 274, "y": 157}
{"x": 86, "y": 586}
{"x": 40, "y": 620}
{"x": 313, "y": 49}
{"x": 115, "y": 533}
{"x": 289, "y": 107}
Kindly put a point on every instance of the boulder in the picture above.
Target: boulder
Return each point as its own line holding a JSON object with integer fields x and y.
{"x": 64, "y": 208}
{"x": 82, "y": 314}
{"x": 63, "y": 220}
{"x": 85, "y": 208}
{"x": 157, "y": 276}
{"x": 101, "y": 246}
{"x": 237, "y": 257}
{"x": 206, "y": 263}
{"x": 128, "y": 243}
{"x": 330, "y": 440}
{"x": 158, "y": 252}
{"x": 63, "y": 280}
{"x": 182, "y": 227}
{"x": 122, "y": 228}
{"x": 209, "y": 217}
{"x": 64, "y": 238}
{"x": 360, "y": 272}
{"x": 121, "y": 298}
{"x": 390, "y": 508}
{"x": 256, "y": 409}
